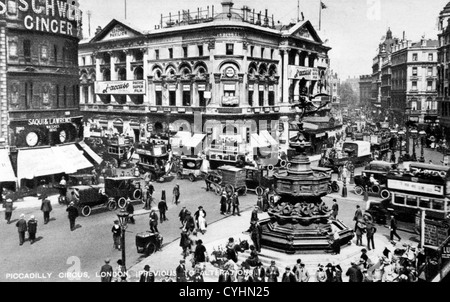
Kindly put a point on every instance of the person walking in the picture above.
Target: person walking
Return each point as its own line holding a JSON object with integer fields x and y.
{"x": 147, "y": 275}
{"x": 130, "y": 209}
{"x": 181, "y": 271}
{"x": 32, "y": 229}
{"x": 200, "y": 218}
{"x": 393, "y": 229}
{"x": 116, "y": 234}
{"x": 185, "y": 243}
{"x": 21, "y": 228}
{"x": 176, "y": 194}
{"x": 189, "y": 224}
{"x": 370, "y": 232}
{"x": 162, "y": 207}
{"x": 153, "y": 222}
{"x": 182, "y": 216}
{"x": 8, "y": 210}
{"x": 235, "y": 203}
{"x": 121, "y": 272}
{"x": 335, "y": 209}
{"x": 272, "y": 272}
{"x": 72, "y": 214}
{"x": 150, "y": 189}
{"x": 223, "y": 203}
{"x": 106, "y": 271}
{"x": 46, "y": 208}
{"x": 358, "y": 215}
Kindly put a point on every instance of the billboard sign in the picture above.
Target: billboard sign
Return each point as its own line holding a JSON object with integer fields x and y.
{"x": 120, "y": 87}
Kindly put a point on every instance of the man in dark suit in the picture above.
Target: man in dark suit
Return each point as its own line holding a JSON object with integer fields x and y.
{"x": 181, "y": 272}
{"x": 358, "y": 216}
{"x": 46, "y": 207}
{"x": 106, "y": 272}
{"x": 162, "y": 207}
{"x": 335, "y": 209}
{"x": 8, "y": 210}
{"x": 153, "y": 222}
{"x": 130, "y": 209}
{"x": 32, "y": 229}
{"x": 147, "y": 275}
{"x": 22, "y": 228}
{"x": 259, "y": 274}
{"x": 354, "y": 273}
{"x": 288, "y": 276}
{"x": 272, "y": 273}
{"x": 256, "y": 233}
{"x": 235, "y": 202}
{"x": 73, "y": 214}
{"x": 393, "y": 229}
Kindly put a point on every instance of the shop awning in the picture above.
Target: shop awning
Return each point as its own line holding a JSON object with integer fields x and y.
{"x": 38, "y": 162}
{"x": 91, "y": 153}
{"x": 6, "y": 170}
{"x": 71, "y": 158}
{"x": 181, "y": 138}
{"x": 195, "y": 140}
{"x": 265, "y": 135}
{"x": 257, "y": 142}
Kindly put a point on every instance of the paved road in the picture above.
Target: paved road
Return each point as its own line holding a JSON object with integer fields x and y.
{"x": 59, "y": 250}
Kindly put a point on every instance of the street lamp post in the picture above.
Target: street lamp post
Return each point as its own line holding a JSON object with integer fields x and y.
{"x": 422, "y": 135}
{"x": 414, "y": 135}
{"x": 123, "y": 221}
{"x": 401, "y": 135}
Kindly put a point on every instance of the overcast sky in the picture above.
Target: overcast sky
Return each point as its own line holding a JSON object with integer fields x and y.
{"x": 353, "y": 27}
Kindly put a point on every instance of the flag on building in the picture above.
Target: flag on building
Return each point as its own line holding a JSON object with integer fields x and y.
{"x": 323, "y": 5}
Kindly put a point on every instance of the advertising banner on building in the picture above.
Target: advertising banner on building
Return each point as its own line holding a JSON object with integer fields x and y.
{"x": 120, "y": 87}
{"x": 415, "y": 187}
{"x": 300, "y": 72}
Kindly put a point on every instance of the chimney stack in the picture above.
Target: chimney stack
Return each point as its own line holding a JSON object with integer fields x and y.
{"x": 227, "y": 6}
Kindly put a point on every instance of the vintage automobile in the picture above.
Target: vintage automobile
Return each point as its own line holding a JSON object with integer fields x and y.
{"x": 190, "y": 167}
{"x": 153, "y": 158}
{"x": 88, "y": 197}
{"x": 362, "y": 181}
{"x": 148, "y": 243}
{"x": 119, "y": 189}
{"x": 259, "y": 180}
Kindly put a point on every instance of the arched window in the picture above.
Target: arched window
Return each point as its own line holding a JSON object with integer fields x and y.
{"x": 139, "y": 73}
{"x": 122, "y": 74}
{"x": 230, "y": 130}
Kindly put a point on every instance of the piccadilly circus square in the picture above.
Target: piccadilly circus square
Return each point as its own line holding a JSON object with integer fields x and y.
{"x": 224, "y": 142}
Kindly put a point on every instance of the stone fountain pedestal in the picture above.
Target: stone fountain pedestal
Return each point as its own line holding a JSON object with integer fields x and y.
{"x": 300, "y": 222}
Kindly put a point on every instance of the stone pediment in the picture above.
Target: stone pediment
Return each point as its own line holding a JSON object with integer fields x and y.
{"x": 116, "y": 30}
{"x": 305, "y": 31}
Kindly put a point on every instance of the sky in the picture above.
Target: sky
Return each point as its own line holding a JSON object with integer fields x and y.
{"x": 353, "y": 28}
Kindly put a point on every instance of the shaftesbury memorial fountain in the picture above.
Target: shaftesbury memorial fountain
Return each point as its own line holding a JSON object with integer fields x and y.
{"x": 300, "y": 220}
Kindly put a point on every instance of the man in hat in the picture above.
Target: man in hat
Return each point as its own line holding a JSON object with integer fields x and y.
{"x": 358, "y": 215}
{"x": 46, "y": 208}
{"x": 162, "y": 207}
{"x": 176, "y": 194}
{"x": 181, "y": 271}
{"x": 130, "y": 209}
{"x": 72, "y": 214}
{"x": 116, "y": 234}
{"x": 335, "y": 209}
{"x": 370, "y": 232}
{"x": 272, "y": 272}
{"x": 8, "y": 210}
{"x": 106, "y": 272}
{"x": 147, "y": 275}
{"x": 32, "y": 229}
{"x": 254, "y": 216}
{"x": 149, "y": 195}
{"x": 288, "y": 276}
{"x": 354, "y": 273}
{"x": 259, "y": 274}
{"x": 182, "y": 216}
{"x": 153, "y": 222}
{"x": 21, "y": 228}
{"x": 223, "y": 203}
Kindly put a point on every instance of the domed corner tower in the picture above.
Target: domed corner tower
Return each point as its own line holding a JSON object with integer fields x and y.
{"x": 299, "y": 221}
